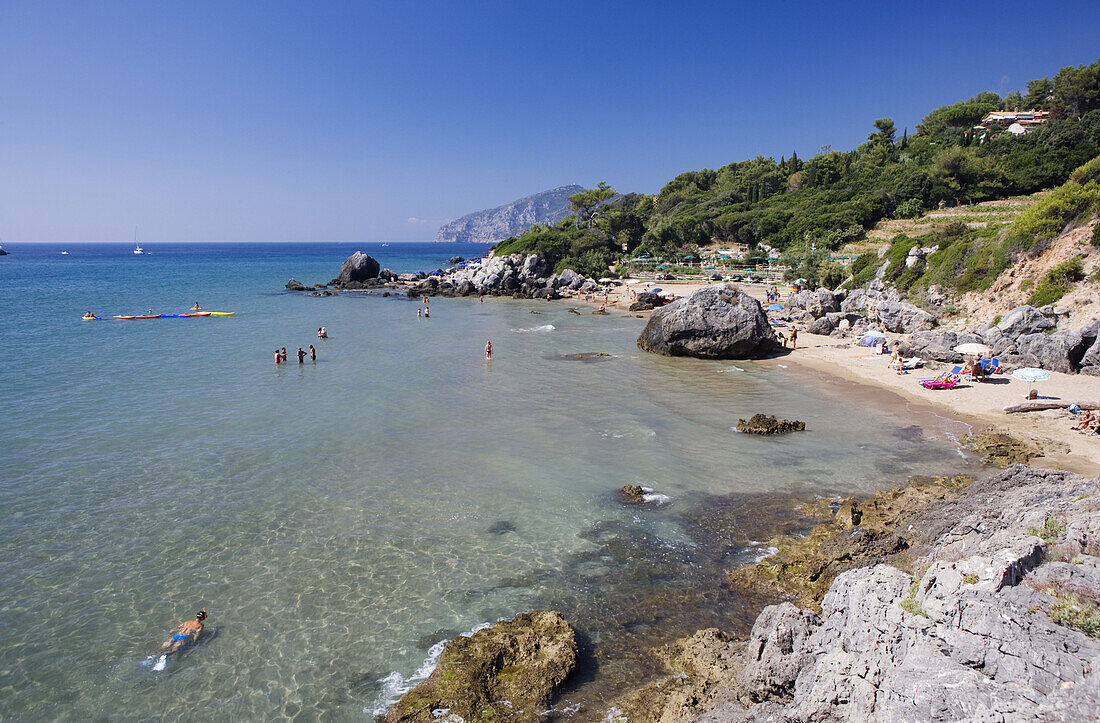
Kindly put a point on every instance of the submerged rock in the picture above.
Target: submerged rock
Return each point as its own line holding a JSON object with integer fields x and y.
{"x": 1000, "y": 449}
{"x": 506, "y": 671}
{"x": 763, "y": 424}
{"x": 632, "y": 494}
{"x": 715, "y": 322}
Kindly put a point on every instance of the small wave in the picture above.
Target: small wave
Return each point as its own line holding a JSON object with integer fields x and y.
{"x": 544, "y": 327}
{"x": 766, "y": 552}
{"x": 396, "y": 685}
{"x": 656, "y": 498}
{"x": 731, "y": 369}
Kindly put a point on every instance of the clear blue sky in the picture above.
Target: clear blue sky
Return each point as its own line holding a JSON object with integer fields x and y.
{"x": 365, "y": 121}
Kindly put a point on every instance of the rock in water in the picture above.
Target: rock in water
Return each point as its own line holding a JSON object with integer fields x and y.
{"x": 295, "y": 285}
{"x": 763, "y": 424}
{"x": 507, "y": 671}
{"x": 359, "y": 267}
{"x": 632, "y": 494}
{"x": 715, "y": 322}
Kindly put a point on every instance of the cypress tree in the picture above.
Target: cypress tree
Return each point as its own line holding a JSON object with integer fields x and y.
{"x": 904, "y": 138}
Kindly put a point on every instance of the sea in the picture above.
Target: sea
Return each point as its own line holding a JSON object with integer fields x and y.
{"x": 340, "y": 519}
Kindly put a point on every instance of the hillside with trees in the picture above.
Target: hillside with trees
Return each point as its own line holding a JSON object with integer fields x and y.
{"x": 833, "y": 198}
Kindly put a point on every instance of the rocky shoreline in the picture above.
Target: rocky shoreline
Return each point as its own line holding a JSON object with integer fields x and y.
{"x": 945, "y": 599}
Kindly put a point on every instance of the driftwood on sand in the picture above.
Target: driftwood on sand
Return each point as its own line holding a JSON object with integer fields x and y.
{"x": 1037, "y": 406}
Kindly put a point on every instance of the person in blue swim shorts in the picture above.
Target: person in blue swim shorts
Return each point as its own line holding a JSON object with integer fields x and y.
{"x": 183, "y": 634}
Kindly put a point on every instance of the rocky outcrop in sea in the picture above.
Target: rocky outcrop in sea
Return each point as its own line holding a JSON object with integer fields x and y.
{"x": 511, "y": 219}
{"x": 506, "y": 671}
{"x": 990, "y": 615}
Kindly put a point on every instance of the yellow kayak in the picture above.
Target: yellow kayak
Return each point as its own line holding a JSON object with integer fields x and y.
{"x": 89, "y": 318}
{"x": 221, "y": 313}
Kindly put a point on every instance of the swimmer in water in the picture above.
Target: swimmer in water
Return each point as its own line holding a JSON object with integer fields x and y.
{"x": 312, "y": 353}
{"x": 488, "y": 350}
{"x": 183, "y": 635}
{"x": 301, "y": 356}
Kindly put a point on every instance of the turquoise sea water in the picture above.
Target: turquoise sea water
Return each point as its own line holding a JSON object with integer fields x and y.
{"x": 339, "y": 519}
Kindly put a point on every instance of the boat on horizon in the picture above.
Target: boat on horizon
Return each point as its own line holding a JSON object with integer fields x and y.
{"x": 137, "y": 246}
{"x": 2, "y": 251}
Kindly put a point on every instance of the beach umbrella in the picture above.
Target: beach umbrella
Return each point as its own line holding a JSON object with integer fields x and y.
{"x": 604, "y": 280}
{"x": 775, "y": 307}
{"x": 1031, "y": 374}
{"x": 973, "y": 348}
{"x": 874, "y": 333}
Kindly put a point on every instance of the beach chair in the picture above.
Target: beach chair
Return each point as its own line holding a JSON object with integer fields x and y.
{"x": 944, "y": 381}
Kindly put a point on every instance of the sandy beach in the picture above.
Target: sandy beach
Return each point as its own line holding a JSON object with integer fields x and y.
{"x": 978, "y": 404}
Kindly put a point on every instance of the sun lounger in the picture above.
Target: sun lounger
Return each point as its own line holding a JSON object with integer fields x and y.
{"x": 947, "y": 381}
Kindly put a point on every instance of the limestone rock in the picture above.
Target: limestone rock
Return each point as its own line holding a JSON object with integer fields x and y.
{"x": 506, "y": 671}
{"x": 511, "y": 219}
{"x": 1059, "y": 352}
{"x": 903, "y": 318}
{"x": 715, "y": 322}
{"x": 294, "y": 285}
{"x": 359, "y": 267}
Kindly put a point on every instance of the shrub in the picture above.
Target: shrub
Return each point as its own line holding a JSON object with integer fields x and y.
{"x": 1049, "y": 532}
{"x": 1049, "y": 216}
{"x": 1026, "y": 284}
{"x": 1096, "y": 235}
{"x": 913, "y": 208}
{"x": 1075, "y": 612}
{"x": 1056, "y": 282}
{"x": 864, "y": 267}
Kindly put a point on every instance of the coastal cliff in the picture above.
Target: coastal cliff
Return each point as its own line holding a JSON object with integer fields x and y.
{"x": 511, "y": 219}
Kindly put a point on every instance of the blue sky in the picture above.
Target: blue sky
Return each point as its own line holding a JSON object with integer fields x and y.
{"x": 367, "y": 121}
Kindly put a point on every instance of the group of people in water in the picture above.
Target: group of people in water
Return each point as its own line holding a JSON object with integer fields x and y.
{"x": 281, "y": 355}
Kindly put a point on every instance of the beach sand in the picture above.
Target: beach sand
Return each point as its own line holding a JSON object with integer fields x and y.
{"x": 978, "y": 404}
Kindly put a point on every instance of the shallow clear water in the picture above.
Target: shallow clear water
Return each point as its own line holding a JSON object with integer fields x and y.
{"x": 337, "y": 519}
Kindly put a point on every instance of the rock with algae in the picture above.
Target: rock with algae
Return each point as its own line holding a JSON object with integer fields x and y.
{"x": 763, "y": 424}
{"x": 506, "y": 672}
{"x": 1000, "y": 449}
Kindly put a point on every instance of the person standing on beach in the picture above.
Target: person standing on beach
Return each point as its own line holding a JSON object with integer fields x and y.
{"x": 312, "y": 353}
{"x": 301, "y": 356}
{"x": 488, "y": 349}
{"x": 794, "y": 338}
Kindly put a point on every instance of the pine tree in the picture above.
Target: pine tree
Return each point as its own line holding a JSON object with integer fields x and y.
{"x": 904, "y": 138}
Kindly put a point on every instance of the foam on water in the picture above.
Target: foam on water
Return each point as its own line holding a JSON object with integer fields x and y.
{"x": 396, "y": 685}
{"x": 536, "y": 329}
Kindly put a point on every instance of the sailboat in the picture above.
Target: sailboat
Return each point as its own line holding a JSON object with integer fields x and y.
{"x": 2, "y": 251}
{"x": 137, "y": 247}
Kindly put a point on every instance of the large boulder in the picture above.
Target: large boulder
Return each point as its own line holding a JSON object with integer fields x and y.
{"x": 1021, "y": 320}
{"x": 823, "y": 326}
{"x": 1058, "y": 352}
{"x": 359, "y": 267}
{"x": 903, "y": 318}
{"x": 1090, "y": 360}
{"x": 506, "y": 672}
{"x": 715, "y": 322}
{"x": 295, "y": 285}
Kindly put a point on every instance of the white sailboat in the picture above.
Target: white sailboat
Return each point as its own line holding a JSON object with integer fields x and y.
{"x": 137, "y": 247}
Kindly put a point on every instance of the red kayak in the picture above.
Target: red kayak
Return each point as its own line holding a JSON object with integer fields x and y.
{"x": 198, "y": 313}
{"x": 139, "y": 316}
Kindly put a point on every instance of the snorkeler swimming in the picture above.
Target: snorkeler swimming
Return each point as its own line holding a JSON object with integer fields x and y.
{"x": 183, "y": 634}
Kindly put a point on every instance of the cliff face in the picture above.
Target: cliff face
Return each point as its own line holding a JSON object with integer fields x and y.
{"x": 497, "y": 224}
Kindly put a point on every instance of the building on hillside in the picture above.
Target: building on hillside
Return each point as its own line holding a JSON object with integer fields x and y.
{"x": 1016, "y": 122}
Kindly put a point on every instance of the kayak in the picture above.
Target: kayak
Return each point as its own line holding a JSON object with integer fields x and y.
{"x": 139, "y": 316}
{"x": 201, "y": 313}
{"x": 195, "y": 308}
{"x": 221, "y": 313}
{"x": 89, "y": 318}
{"x": 173, "y": 316}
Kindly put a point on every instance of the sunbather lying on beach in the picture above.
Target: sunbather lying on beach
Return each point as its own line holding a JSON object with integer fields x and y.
{"x": 1087, "y": 421}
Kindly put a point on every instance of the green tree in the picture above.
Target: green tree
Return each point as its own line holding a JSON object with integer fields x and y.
{"x": 1038, "y": 94}
{"x": 885, "y": 135}
{"x": 585, "y": 202}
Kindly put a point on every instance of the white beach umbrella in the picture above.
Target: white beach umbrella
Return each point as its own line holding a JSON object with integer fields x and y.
{"x": 973, "y": 348}
{"x": 1031, "y": 374}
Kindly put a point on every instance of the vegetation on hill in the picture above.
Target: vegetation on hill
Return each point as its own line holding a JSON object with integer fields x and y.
{"x": 808, "y": 207}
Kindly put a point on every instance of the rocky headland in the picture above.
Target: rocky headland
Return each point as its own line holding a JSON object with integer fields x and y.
{"x": 511, "y": 219}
